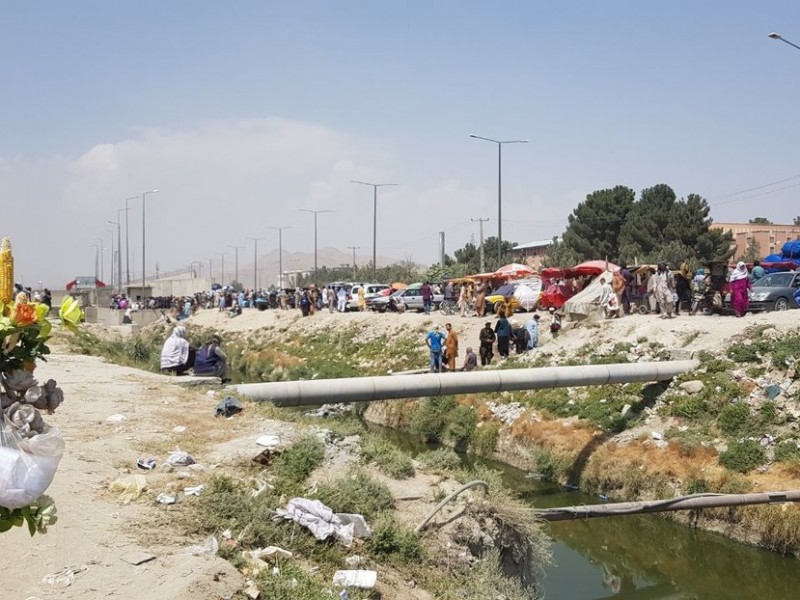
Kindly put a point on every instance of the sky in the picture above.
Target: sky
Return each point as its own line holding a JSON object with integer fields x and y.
{"x": 241, "y": 113}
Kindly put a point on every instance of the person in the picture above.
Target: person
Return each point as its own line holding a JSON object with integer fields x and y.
{"x": 739, "y": 283}
{"x": 470, "y": 361}
{"x": 362, "y": 302}
{"x": 210, "y": 360}
{"x": 341, "y": 297}
{"x": 235, "y": 310}
{"x": 434, "y": 340}
{"x": 177, "y": 355}
{"x": 683, "y": 288}
{"x": 555, "y": 321}
{"x": 451, "y": 347}
{"x": 605, "y": 294}
{"x": 520, "y": 336}
{"x": 462, "y": 299}
{"x": 128, "y": 318}
{"x": 626, "y": 291}
{"x": 487, "y": 338}
{"x": 331, "y": 300}
{"x": 663, "y": 289}
{"x": 427, "y": 297}
{"x": 449, "y": 292}
{"x": 305, "y": 303}
{"x": 283, "y": 299}
{"x": 533, "y": 331}
{"x": 757, "y": 273}
{"x": 480, "y": 299}
{"x": 502, "y": 330}
{"x": 618, "y": 287}
{"x": 652, "y": 301}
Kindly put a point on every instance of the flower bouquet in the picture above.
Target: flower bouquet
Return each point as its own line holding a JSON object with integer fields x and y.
{"x": 30, "y": 450}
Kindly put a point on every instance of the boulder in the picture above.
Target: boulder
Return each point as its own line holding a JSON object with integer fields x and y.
{"x": 692, "y": 387}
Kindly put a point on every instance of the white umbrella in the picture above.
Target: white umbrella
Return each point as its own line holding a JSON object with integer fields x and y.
{"x": 526, "y": 297}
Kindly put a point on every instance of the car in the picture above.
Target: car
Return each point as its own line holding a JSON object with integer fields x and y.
{"x": 382, "y": 303}
{"x": 371, "y": 290}
{"x": 775, "y": 291}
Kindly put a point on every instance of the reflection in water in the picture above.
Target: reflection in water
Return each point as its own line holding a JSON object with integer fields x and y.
{"x": 642, "y": 557}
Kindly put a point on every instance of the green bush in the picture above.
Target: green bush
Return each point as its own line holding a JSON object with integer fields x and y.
{"x": 440, "y": 460}
{"x": 689, "y": 407}
{"x": 787, "y": 451}
{"x": 485, "y": 438}
{"x": 743, "y": 456}
{"x": 388, "y": 457}
{"x": 356, "y": 492}
{"x": 297, "y": 462}
{"x": 392, "y": 542}
{"x": 742, "y": 353}
{"x": 734, "y": 418}
{"x": 461, "y": 426}
{"x": 769, "y": 413}
{"x": 431, "y": 417}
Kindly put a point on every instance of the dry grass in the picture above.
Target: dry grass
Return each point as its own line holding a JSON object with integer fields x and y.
{"x": 557, "y": 436}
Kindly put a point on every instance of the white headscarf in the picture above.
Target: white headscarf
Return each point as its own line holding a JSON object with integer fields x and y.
{"x": 176, "y": 349}
{"x": 740, "y": 272}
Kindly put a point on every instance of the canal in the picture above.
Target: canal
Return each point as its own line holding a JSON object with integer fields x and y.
{"x": 644, "y": 557}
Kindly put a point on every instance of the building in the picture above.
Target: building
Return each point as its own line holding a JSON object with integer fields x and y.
{"x": 769, "y": 237}
{"x": 532, "y": 253}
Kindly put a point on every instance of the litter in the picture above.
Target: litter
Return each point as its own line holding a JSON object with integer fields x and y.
{"x": 269, "y": 441}
{"x": 116, "y": 419}
{"x": 354, "y": 561}
{"x": 64, "y": 577}
{"x": 128, "y": 488}
{"x": 356, "y": 578}
{"x": 210, "y": 546}
{"x": 360, "y": 528}
{"x": 228, "y": 407}
{"x": 165, "y": 498}
{"x": 178, "y": 429}
{"x": 266, "y": 456}
{"x": 27, "y": 465}
{"x": 193, "y": 491}
{"x": 211, "y": 393}
{"x": 180, "y": 459}
{"x": 146, "y": 463}
{"x": 317, "y": 518}
{"x": 270, "y": 553}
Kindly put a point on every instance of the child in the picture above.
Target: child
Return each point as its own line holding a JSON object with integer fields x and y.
{"x": 555, "y": 323}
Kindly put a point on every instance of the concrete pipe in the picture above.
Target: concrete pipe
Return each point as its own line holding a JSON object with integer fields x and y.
{"x": 368, "y": 389}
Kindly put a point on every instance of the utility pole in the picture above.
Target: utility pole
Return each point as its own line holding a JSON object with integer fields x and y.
{"x": 236, "y": 263}
{"x": 222, "y": 256}
{"x": 315, "y": 213}
{"x": 210, "y": 268}
{"x": 375, "y": 187}
{"x": 280, "y": 252}
{"x": 127, "y": 210}
{"x": 480, "y": 226}
{"x": 256, "y": 285}
{"x": 354, "y": 248}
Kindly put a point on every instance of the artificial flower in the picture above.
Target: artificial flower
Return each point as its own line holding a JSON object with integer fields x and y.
{"x": 24, "y": 314}
{"x": 70, "y": 313}
{"x": 18, "y": 380}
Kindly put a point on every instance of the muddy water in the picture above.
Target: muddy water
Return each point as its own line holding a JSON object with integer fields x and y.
{"x": 641, "y": 557}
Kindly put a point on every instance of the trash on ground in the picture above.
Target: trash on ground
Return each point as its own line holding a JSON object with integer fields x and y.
{"x": 128, "y": 488}
{"x": 354, "y": 561}
{"x": 165, "y": 498}
{"x": 317, "y": 518}
{"x": 360, "y": 528}
{"x": 210, "y": 546}
{"x": 270, "y": 553}
{"x": 363, "y": 579}
{"x": 193, "y": 491}
{"x": 137, "y": 558}
{"x": 180, "y": 459}
{"x": 266, "y": 457}
{"x": 146, "y": 463}
{"x": 211, "y": 393}
{"x": 269, "y": 441}
{"x": 116, "y": 419}
{"x": 252, "y": 591}
{"x": 178, "y": 429}
{"x": 64, "y": 577}
{"x": 260, "y": 486}
{"x": 228, "y": 407}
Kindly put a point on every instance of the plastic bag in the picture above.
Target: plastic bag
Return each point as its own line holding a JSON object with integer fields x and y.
{"x": 27, "y": 465}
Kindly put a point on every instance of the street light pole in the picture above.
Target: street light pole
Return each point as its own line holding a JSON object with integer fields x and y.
{"x": 118, "y": 223}
{"x": 375, "y": 187}
{"x": 96, "y": 260}
{"x": 499, "y": 189}
{"x": 354, "y": 248}
{"x": 222, "y": 257}
{"x": 315, "y": 213}
{"x": 480, "y": 225}
{"x": 778, "y": 36}
{"x": 144, "y": 202}
{"x": 255, "y": 261}
{"x": 102, "y": 252}
{"x": 280, "y": 252}
{"x": 127, "y": 210}
{"x": 236, "y": 262}
{"x": 111, "y": 258}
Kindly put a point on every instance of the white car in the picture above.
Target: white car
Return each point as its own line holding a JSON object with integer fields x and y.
{"x": 371, "y": 290}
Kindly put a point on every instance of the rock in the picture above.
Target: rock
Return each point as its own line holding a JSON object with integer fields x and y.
{"x": 771, "y": 334}
{"x": 656, "y": 435}
{"x": 661, "y": 443}
{"x": 692, "y": 387}
{"x": 625, "y": 410}
{"x": 359, "y": 578}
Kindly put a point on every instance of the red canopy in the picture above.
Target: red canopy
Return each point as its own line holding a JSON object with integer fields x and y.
{"x": 590, "y": 267}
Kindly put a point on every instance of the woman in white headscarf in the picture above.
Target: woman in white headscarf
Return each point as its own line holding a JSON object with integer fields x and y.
{"x": 739, "y": 283}
{"x": 177, "y": 355}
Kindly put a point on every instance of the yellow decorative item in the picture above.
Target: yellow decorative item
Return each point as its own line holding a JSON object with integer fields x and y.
{"x": 6, "y": 272}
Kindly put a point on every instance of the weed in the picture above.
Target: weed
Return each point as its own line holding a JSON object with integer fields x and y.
{"x": 461, "y": 426}
{"x": 742, "y": 456}
{"x": 781, "y": 528}
{"x": 485, "y": 579}
{"x": 297, "y": 462}
{"x": 696, "y": 485}
{"x": 769, "y": 413}
{"x": 356, "y": 492}
{"x": 431, "y": 417}
{"x": 733, "y": 418}
{"x": 388, "y": 457}
{"x": 787, "y": 451}
{"x": 440, "y": 460}
{"x": 394, "y": 543}
{"x": 484, "y": 441}
{"x": 552, "y": 466}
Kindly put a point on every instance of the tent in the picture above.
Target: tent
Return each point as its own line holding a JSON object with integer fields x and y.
{"x": 587, "y": 301}
{"x": 588, "y": 268}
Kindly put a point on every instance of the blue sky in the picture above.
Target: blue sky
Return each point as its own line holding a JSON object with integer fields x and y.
{"x": 243, "y": 112}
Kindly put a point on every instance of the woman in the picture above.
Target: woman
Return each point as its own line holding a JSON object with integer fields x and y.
{"x": 362, "y": 302}
{"x": 462, "y": 300}
{"x": 739, "y": 283}
{"x": 211, "y": 360}
{"x": 177, "y": 355}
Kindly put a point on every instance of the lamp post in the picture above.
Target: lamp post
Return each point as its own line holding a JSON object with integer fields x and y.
{"x": 480, "y": 226}
{"x": 236, "y": 262}
{"x": 118, "y": 223}
{"x": 315, "y": 213}
{"x": 102, "y": 252}
{"x": 354, "y": 248}
{"x": 111, "y": 261}
{"x": 255, "y": 261}
{"x": 96, "y": 260}
{"x": 222, "y": 257}
{"x": 375, "y": 187}
{"x": 280, "y": 252}
{"x": 778, "y": 36}
{"x": 144, "y": 202}
{"x": 127, "y": 210}
{"x": 499, "y": 189}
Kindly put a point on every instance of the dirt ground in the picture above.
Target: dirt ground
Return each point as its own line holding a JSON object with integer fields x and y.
{"x": 89, "y": 552}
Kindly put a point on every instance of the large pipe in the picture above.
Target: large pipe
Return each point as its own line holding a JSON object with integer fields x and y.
{"x": 369, "y": 389}
{"x": 692, "y": 502}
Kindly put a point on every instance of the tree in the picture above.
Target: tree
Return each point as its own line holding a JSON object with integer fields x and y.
{"x": 559, "y": 255}
{"x": 761, "y": 221}
{"x": 645, "y": 230}
{"x": 594, "y": 226}
{"x": 797, "y": 221}
{"x": 753, "y": 250}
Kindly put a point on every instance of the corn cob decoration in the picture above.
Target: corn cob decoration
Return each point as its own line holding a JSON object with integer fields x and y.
{"x": 6, "y": 272}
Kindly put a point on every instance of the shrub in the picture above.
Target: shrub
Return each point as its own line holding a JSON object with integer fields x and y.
{"x": 388, "y": 457}
{"x": 743, "y": 456}
{"x": 742, "y": 353}
{"x": 787, "y": 451}
{"x": 358, "y": 493}
{"x": 431, "y": 417}
{"x": 461, "y": 425}
{"x": 484, "y": 441}
{"x": 689, "y": 407}
{"x": 769, "y": 414}
{"x": 733, "y": 418}
{"x": 439, "y": 460}
{"x": 392, "y": 542}
{"x": 297, "y": 462}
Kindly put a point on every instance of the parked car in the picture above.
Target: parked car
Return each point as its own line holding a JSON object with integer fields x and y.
{"x": 411, "y": 297}
{"x": 775, "y": 291}
{"x": 383, "y": 302}
{"x": 371, "y": 290}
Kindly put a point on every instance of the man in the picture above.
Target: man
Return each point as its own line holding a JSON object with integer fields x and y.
{"x": 487, "y": 338}
{"x": 663, "y": 289}
{"x": 211, "y": 360}
{"x": 757, "y": 273}
{"x": 533, "y": 331}
{"x": 480, "y": 299}
{"x": 451, "y": 347}
{"x": 502, "y": 330}
{"x": 618, "y": 287}
{"x": 177, "y": 355}
{"x": 470, "y": 361}
{"x": 434, "y": 340}
{"x": 449, "y": 292}
{"x": 341, "y": 296}
{"x": 605, "y": 294}
{"x": 626, "y": 291}
{"x": 427, "y": 297}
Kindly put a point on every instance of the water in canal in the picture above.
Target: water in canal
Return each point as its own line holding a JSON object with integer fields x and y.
{"x": 642, "y": 557}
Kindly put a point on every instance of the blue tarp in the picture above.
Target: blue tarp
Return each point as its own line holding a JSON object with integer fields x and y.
{"x": 773, "y": 258}
{"x": 791, "y": 249}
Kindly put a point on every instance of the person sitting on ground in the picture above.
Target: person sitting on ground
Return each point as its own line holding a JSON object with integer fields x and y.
{"x": 177, "y": 355}
{"x": 235, "y": 310}
{"x": 470, "y": 360}
{"x": 211, "y": 360}
{"x": 555, "y": 321}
